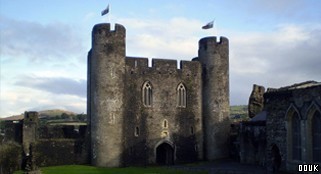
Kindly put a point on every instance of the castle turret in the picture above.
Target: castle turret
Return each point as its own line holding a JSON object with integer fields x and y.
{"x": 214, "y": 57}
{"x": 106, "y": 69}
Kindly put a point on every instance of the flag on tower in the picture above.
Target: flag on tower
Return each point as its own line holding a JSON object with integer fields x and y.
{"x": 208, "y": 25}
{"x": 105, "y": 11}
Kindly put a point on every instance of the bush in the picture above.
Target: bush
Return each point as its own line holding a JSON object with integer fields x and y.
{"x": 1, "y": 126}
{"x": 10, "y": 157}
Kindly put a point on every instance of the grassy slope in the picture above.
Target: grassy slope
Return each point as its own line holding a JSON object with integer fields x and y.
{"x": 81, "y": 169}
{"x": 47, "y": 113}
{"x": 240, "y": 110}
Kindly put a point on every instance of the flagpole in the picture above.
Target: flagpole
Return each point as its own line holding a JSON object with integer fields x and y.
{"x": 215, "y": 28}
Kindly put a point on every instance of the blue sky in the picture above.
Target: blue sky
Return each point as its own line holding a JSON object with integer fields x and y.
{"x": 44, "y": 44}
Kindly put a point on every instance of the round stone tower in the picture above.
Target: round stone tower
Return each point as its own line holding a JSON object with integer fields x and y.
{"x": 106, "y": 71}
{"x": 214, "y": 57}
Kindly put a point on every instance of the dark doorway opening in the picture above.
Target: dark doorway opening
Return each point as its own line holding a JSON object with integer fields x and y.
{"x": 276, "y": 158}
{"x": 165, "y": 154}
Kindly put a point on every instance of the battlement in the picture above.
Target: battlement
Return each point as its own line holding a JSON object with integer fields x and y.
{"x": 106, "y": 28}
{"x": 137, "y": 62}
{"x": 164, "y": 64}
{"x": 160, "y": 65}
{"x": 102, "y": 33}
{"x": 212, "y": 41}
{"x": 31, "y": 116}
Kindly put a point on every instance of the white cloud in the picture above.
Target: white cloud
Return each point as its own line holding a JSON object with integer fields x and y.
{"x": 286, "y": 55}
{"x": 38, "y": 42}
{"x": 55, "y": 85}
{"x": 17, "y": 100}
{"x": 175, "y": 38}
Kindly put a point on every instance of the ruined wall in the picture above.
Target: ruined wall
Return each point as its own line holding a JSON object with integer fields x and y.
{"x": 61, "y": 145}
{"x": 278, "y": 103}
{"x": 253, "y": 142}
{"x": 29, "y": 130}
{"x": 46, "y": 145}
{"x": 13, "y": 131}
{"x": 164, "y": 78}
{"x": 256, "y": 100}
{"x": 52, "y": 152}
{"x": 214, "y": 57}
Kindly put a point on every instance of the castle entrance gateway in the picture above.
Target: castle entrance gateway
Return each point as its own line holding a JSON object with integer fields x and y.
{"x": 165, "y": 154}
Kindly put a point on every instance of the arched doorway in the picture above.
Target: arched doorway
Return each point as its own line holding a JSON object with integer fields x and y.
{"x": 165, "y": 154}
{"x": 276, "y": 158}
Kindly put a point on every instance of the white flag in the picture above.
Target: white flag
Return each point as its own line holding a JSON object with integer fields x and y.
{"x": 105, "y": 11}
{"x": 208, "y": 25}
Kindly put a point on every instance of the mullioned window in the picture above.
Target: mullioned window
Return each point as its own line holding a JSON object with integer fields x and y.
{"x": 181, "y": 96}
{"x": 147, "y": 94}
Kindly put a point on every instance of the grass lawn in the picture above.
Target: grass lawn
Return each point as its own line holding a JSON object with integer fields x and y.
{"x": 81, "y": 169}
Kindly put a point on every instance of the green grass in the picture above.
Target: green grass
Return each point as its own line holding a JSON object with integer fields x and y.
{"x": 81, "y": 169}
{"x": 240, "y": 110}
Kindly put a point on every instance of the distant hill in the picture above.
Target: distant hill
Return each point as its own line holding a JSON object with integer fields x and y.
{"x": 42, "y": 114}
{"x": 239, "y": 112}
{"x": 54, "y": 112}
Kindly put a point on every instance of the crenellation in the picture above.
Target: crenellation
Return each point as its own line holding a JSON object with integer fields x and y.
{"x": 139, "y": 65}
{"x": 191, "y": 67}
{"x": 137, "y": 62}
{"x": 105, "y": 28}
{"x": 129, "y": 101}
{"x": 163, "y": 65}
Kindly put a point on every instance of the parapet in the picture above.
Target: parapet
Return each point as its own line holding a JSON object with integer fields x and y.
{"x": 204, "y": 42}
{"x": 31, "y": 116}
{"x": 102, "y": 31}
{"x": 103, "y": 27}
{"x": 137, "y": 64}
{"x": 164, "y": 64}
{"x": 190, "y": 65}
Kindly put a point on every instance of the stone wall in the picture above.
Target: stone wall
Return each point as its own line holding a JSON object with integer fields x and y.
{"x": 52, "y": 152}
{"x": 106, "y": 68}
{"x": 128, "y": 130}
{"x": 253, "y": 142}
{"x": 214, "y": 58}
{"x": 61, "y": 145}
{"x": 280, "y": 104}
{"x": 164, "y": 78}
{"x": 13, "y": 131}
{"x": 256, "y": 100}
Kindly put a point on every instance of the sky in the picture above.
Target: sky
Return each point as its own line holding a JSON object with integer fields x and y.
{"x": 44, "y": 44}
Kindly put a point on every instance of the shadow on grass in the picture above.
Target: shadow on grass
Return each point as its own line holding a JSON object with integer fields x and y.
{"x": 81, "y": 169}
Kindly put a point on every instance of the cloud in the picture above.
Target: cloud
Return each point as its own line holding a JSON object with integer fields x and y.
{"x": 174, "y": 38}
{"x": 55, "y": 85}
{"x": 16, "y": 101}
{"x": 38, "y": 42}
{"x": 282, "y": 57}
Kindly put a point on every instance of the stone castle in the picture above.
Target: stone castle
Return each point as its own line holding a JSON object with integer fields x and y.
{"x": 156, "y": 115}
{"x": 140, "y": 115}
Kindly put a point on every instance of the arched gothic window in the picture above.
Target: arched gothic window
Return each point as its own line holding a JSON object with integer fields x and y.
{"x": 147, "y": 94}
{"x": 181, "y": 96}
{"x": 296, "y": 137}
{"x": 316, "y": 136}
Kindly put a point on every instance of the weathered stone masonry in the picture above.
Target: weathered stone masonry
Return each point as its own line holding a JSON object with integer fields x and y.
{"x": 281, "y": 105}
{"x": 127, "y": 131}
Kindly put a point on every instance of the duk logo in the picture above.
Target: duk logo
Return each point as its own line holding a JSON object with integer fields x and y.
{"x": 308, "y": 168}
